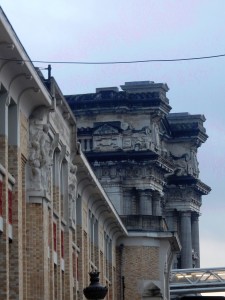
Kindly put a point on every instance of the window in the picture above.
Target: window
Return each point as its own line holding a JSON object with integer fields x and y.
{"x": 55, "y": 171}
{"x": 54, "y": 237}
{"x": 108, "y": 256}
{"x": 77, "y": 267}
{"x": 62, "y": 243}
{"x": 1, "y": 197}
{"x": 63, "y": 187}
{"x": 74, "y": 265}
{"x": 93, "y": 232}
{"x": 55, "y": 258}
{"x": 10, "y": 206}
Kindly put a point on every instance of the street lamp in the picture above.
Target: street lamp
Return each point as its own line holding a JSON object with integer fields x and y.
{"x": 95, "y": 291}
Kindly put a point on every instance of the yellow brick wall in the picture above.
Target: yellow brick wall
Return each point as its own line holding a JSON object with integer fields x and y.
{"x": 139, "y": 263}
{"x": 27, "y": 267}
{"x": 4, "y": 242}
{"x": 15, "y": 247}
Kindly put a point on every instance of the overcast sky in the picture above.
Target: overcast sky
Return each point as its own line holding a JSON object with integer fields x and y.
{"x": 124, "y": 30}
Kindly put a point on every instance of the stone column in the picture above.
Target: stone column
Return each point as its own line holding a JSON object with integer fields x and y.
{"x": 82, "y": 145}
{"x": 145, "y": 203}
{"x": 156, "y": 205}
{"x": 186, "y": 241}
{"x": 88, "y": 146}
{"x": 195, "y": 239}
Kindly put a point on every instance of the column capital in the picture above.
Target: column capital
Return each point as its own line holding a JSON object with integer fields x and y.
{"x": 186, "y": 214}
{"x": 195, "y": 216}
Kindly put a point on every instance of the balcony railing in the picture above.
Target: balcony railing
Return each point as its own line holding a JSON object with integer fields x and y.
{"x": 144, "y": 223}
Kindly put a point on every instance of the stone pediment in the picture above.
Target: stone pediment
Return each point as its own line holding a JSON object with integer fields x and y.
{"x": 105, "y": 129}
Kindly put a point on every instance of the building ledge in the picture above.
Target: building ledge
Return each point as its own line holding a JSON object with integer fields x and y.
{"x": 144, "y": 223}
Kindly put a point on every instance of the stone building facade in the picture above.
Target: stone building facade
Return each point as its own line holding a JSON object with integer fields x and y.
{"x": 146, "y": 159}
{"x": 119, "y": 200}
{"x": 56, "y": 222}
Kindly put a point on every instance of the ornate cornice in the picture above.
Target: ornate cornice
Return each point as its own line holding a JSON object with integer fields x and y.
{"x": 189, "y": 181}
{"x": 184, "y": 125}
{"x": 111, "y": 100}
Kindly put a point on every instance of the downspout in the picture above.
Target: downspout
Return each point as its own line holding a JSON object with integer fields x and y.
{"x": 122, "y": 278}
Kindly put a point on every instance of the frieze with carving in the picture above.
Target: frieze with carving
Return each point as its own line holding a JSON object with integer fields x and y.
{"x": 106, "y": 143}
{"x": 184, "y": 194}
{"x": 138, "y": 140}
{"x": 109, "y": 138}
{"x": 132, "y": 170}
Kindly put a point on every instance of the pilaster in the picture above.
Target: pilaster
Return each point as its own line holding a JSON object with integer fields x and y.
{"x": 37, "y": 251}
{"x": 145, "y": 202}
{"x": 156, "y": 209}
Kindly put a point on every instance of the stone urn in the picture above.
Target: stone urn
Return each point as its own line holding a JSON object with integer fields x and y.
{"x": 95, "y": 290}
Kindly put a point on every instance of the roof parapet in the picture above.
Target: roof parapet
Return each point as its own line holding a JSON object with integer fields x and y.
{"x": 103, "y": 89}
{"x": 144, "y": 86}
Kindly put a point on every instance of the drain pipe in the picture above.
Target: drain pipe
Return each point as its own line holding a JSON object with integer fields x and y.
{"x": 122, "y": 278}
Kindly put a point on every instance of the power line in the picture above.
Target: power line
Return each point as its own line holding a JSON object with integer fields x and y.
{"x": 113, "y": 62}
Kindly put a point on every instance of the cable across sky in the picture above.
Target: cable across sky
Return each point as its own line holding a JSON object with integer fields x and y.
{"x": 115, "y": 62}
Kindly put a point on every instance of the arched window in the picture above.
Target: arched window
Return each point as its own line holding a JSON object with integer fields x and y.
{"x": 13, "y": 127}
{"x": 55, "y": 177}
{"x": 64, "y": 189}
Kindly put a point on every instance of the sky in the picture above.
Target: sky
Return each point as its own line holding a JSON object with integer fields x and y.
{"x": 126, "y": 30}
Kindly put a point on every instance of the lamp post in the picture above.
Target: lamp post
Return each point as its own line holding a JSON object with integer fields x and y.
{"x": 95, "y": 290}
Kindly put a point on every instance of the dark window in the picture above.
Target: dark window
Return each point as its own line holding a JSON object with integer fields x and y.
{"x": 54, "y": 237}
{"x": 1, "y": 197}
{"x": 10, "y": 206}
{"x": 62, "y": 243}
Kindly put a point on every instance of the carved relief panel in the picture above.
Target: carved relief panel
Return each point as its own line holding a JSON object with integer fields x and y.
{"x": 106, "y": 138}
{"x": 40, "y": 158}
{"x": 185, "y": 163}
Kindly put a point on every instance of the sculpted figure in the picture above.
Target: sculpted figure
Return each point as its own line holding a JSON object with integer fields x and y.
{"x": 40, "y": 157}
{"x": 72, "y": 192}
{"x": 186, "y": 164}
{"x": 142, "y": 140}
{"x": 156, "y": 136}
{"x": 35, "y": 163}
{"x": 194, "y": 163}
{"x": 181, "y": 163}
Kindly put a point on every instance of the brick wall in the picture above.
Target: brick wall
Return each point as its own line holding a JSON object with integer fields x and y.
{"x": 139, "y": 263}
{"x": 28, "y": 271}
{"x": 37, "y": 256}
{"x": 4, "y": 240}
{"x": 15, "y": 247}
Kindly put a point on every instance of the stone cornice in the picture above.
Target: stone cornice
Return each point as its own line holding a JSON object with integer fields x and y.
{"x": 184, "y": 125}
{"x": 111, "y": 100}
{"x": 189, "y": 180}
{"x": 165, "y": 164}
{"x": 203, "y": 188}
